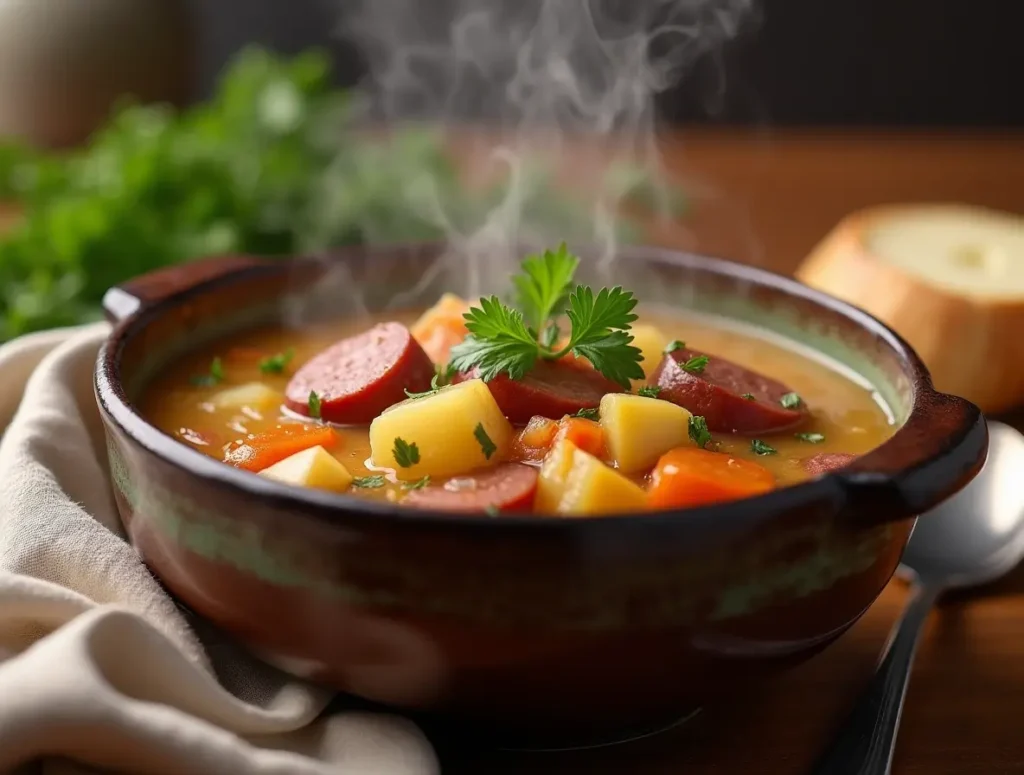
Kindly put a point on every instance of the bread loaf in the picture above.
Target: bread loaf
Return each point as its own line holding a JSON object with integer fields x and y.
{"x": 948, "y": 278}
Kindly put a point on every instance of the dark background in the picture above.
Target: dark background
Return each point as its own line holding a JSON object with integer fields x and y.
{"x": 805, "y": 62}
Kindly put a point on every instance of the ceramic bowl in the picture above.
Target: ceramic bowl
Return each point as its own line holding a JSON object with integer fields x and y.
{"x": 543, "y": 629}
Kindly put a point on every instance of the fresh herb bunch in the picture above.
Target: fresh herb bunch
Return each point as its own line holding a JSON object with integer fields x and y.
{"x": 273, "y": 165}
{"x": 503, "y": 339}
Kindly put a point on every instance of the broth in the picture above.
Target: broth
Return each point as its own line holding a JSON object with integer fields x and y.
{"x": 845, "y": 416}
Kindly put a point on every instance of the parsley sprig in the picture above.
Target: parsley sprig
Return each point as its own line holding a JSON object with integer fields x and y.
{"x": 510, "y": 340}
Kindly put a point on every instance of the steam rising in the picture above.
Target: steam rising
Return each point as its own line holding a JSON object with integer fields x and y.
{"x": 549, "y": 80}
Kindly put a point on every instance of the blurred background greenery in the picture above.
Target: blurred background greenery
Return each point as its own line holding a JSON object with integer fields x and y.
{"x": 274, "y": 164}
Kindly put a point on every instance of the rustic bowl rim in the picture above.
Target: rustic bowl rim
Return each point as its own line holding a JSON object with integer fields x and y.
{"x": 862, "y": 479}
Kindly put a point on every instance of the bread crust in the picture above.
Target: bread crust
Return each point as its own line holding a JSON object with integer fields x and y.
{"x": 973, "y": 345}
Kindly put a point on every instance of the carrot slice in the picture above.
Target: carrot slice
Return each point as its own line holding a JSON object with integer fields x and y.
{"x": 585, "y": 434}
{"x": 441, "y": 327}
{"x": 533, "y": 441}
{"x": 687, "y": 476}
{"x": 264, "y": 449}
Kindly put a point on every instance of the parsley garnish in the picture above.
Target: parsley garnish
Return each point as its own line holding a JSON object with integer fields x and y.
{"x": 491, "y": 510}
{"x": 543, "y": 287}
{"x": 274, "y": 364}
{"x": 442, "y": 374}
{"x": 487, "y": 446}
{"x": 810, "y": 438}
{"x": 758, "y": 447}
{"x": 419, "y": 484}
{"x": 649, "y": 391}
{"x": 790, "y": 401}
{"x": 434, "y": 387}
{"x": 369, "y": 482}
{"x": 587, "y": 414}
{"x": 699, "y": 432}
{"x": 214, "y": 377}
{"x": 313, "y": 404}
{"x": 675, "y": 344}
{"x": 405, "y": 454}
{"x": 696, "y": 364}
{"x": 505, "y": 340}
{"x": 748, "y": 396}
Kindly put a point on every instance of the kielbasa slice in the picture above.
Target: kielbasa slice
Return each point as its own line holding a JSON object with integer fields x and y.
{"x": 550, "y": 389}
{"x": 827, "y": 462}
{"x": 509, "y": 488}
{"x": 358, "y": 378}
{"x": 731, "y": 398}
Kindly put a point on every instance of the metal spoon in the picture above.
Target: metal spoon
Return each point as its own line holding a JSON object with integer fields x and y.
{"x": 973, "y": 538}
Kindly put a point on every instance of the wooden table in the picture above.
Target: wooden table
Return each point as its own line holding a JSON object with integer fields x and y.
{"x": 767, "y": 200}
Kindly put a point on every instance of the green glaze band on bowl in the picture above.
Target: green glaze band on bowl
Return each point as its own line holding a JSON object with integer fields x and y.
{"x": 743, "y": 583}
{"x": 554, "y": 629}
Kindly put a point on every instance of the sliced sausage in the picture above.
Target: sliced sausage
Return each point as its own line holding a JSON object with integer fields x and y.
{"x": 358, "y": 378}
{"x": 731, "y": 398}
{"x": 827, "y": 462}
{"x": 508, "y": 488}
{"x": 550, "y": 389}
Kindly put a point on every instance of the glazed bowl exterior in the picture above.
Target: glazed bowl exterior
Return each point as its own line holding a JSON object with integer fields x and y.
{"x": 535, "y": 626}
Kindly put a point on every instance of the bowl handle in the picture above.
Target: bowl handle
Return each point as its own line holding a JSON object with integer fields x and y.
{"x": 124, "y": 300}
{"x": 938, "y": 451}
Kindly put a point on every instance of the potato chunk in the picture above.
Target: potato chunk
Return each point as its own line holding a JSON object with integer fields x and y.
{"x": 638, "y": 430}
{"x": 254, "y": 395}
{"x": 651, "y": 342}
{"x": 593, "y": 488}
{"x": 313, "y": 467}
{"x": 551, "y": 482}
{"x": 456, "y": 430}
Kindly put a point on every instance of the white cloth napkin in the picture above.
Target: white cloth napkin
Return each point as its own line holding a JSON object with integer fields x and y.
{"x": 98, "y": 667}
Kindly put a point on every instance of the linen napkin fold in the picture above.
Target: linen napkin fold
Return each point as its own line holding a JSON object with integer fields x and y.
{"x": 98, "y": 667}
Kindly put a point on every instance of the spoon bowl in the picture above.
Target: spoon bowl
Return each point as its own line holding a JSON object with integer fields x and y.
{"x": 977, "y": 535}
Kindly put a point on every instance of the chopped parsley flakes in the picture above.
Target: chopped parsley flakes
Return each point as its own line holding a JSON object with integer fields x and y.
{"x": 790, "y": 401}
{"x": 369, "y": 482}
{"x": 699, "y": 432}
{"x": 487, "y": 446}
{"x": 214, "y": 377}
{"x": 406, "y": 455}
{"x": 696, "y": 364}
{"x": 275, "y": 364}
{"x": 810, "y": 438}
{"x": 313, "y": 405}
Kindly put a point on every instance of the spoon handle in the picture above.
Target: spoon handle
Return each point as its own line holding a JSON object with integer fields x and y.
{"x": 866, "y": 742}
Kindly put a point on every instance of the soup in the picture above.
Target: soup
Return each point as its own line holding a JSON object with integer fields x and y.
{"x": 490, "y": 409}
